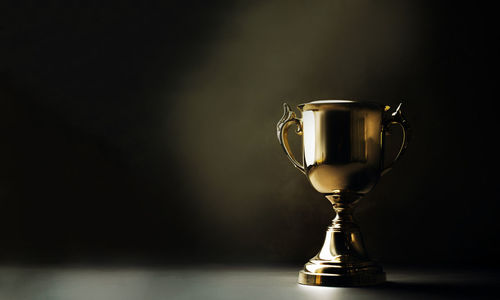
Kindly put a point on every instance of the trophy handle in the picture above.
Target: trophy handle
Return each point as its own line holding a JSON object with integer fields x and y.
{"x": 397, "y": 118}
{"x": 289, "y": 118}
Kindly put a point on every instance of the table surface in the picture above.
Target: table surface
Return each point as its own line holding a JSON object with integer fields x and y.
{"x": 211, "y": 282}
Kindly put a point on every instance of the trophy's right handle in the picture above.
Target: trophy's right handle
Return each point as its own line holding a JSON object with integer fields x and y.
{"x": 398, "y": 118}
{"x": 289, "y": 118}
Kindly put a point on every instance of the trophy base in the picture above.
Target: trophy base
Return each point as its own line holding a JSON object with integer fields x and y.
{"x": 344, "y": 278}
{"x": 342, "y": 261}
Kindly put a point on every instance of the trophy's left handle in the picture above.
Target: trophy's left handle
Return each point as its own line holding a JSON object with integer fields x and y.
{"x": 289, "y": 118}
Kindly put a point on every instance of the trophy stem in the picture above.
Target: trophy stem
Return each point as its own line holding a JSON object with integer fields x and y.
{"x": 342, "y": 261}
{"x": 343, "y": 215}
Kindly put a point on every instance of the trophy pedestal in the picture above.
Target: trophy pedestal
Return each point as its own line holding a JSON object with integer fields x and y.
{"x": 354, "y": 277}
{"x": 342, "y": 261}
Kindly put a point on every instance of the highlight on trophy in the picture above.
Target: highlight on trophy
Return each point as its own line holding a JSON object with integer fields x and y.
{"x": 343, "y": 143}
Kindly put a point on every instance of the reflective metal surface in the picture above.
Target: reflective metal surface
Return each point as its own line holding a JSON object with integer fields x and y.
{"x": 343, "y": 146}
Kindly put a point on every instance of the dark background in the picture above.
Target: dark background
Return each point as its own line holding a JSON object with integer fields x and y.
{"x": 141, "y": 132}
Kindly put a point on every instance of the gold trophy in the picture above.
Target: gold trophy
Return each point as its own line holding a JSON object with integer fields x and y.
{"x": 343, "y": 146}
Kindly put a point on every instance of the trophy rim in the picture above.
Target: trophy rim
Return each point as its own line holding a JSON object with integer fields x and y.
{"x": 350, "y": 102}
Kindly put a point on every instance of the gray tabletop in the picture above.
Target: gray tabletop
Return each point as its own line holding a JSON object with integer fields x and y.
{"x": 211, "y": 282}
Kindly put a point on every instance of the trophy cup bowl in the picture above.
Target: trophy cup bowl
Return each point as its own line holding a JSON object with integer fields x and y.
{"x": 343, "y": 146}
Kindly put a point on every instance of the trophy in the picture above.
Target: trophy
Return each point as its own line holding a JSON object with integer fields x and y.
{"x": 343, "y": 146}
